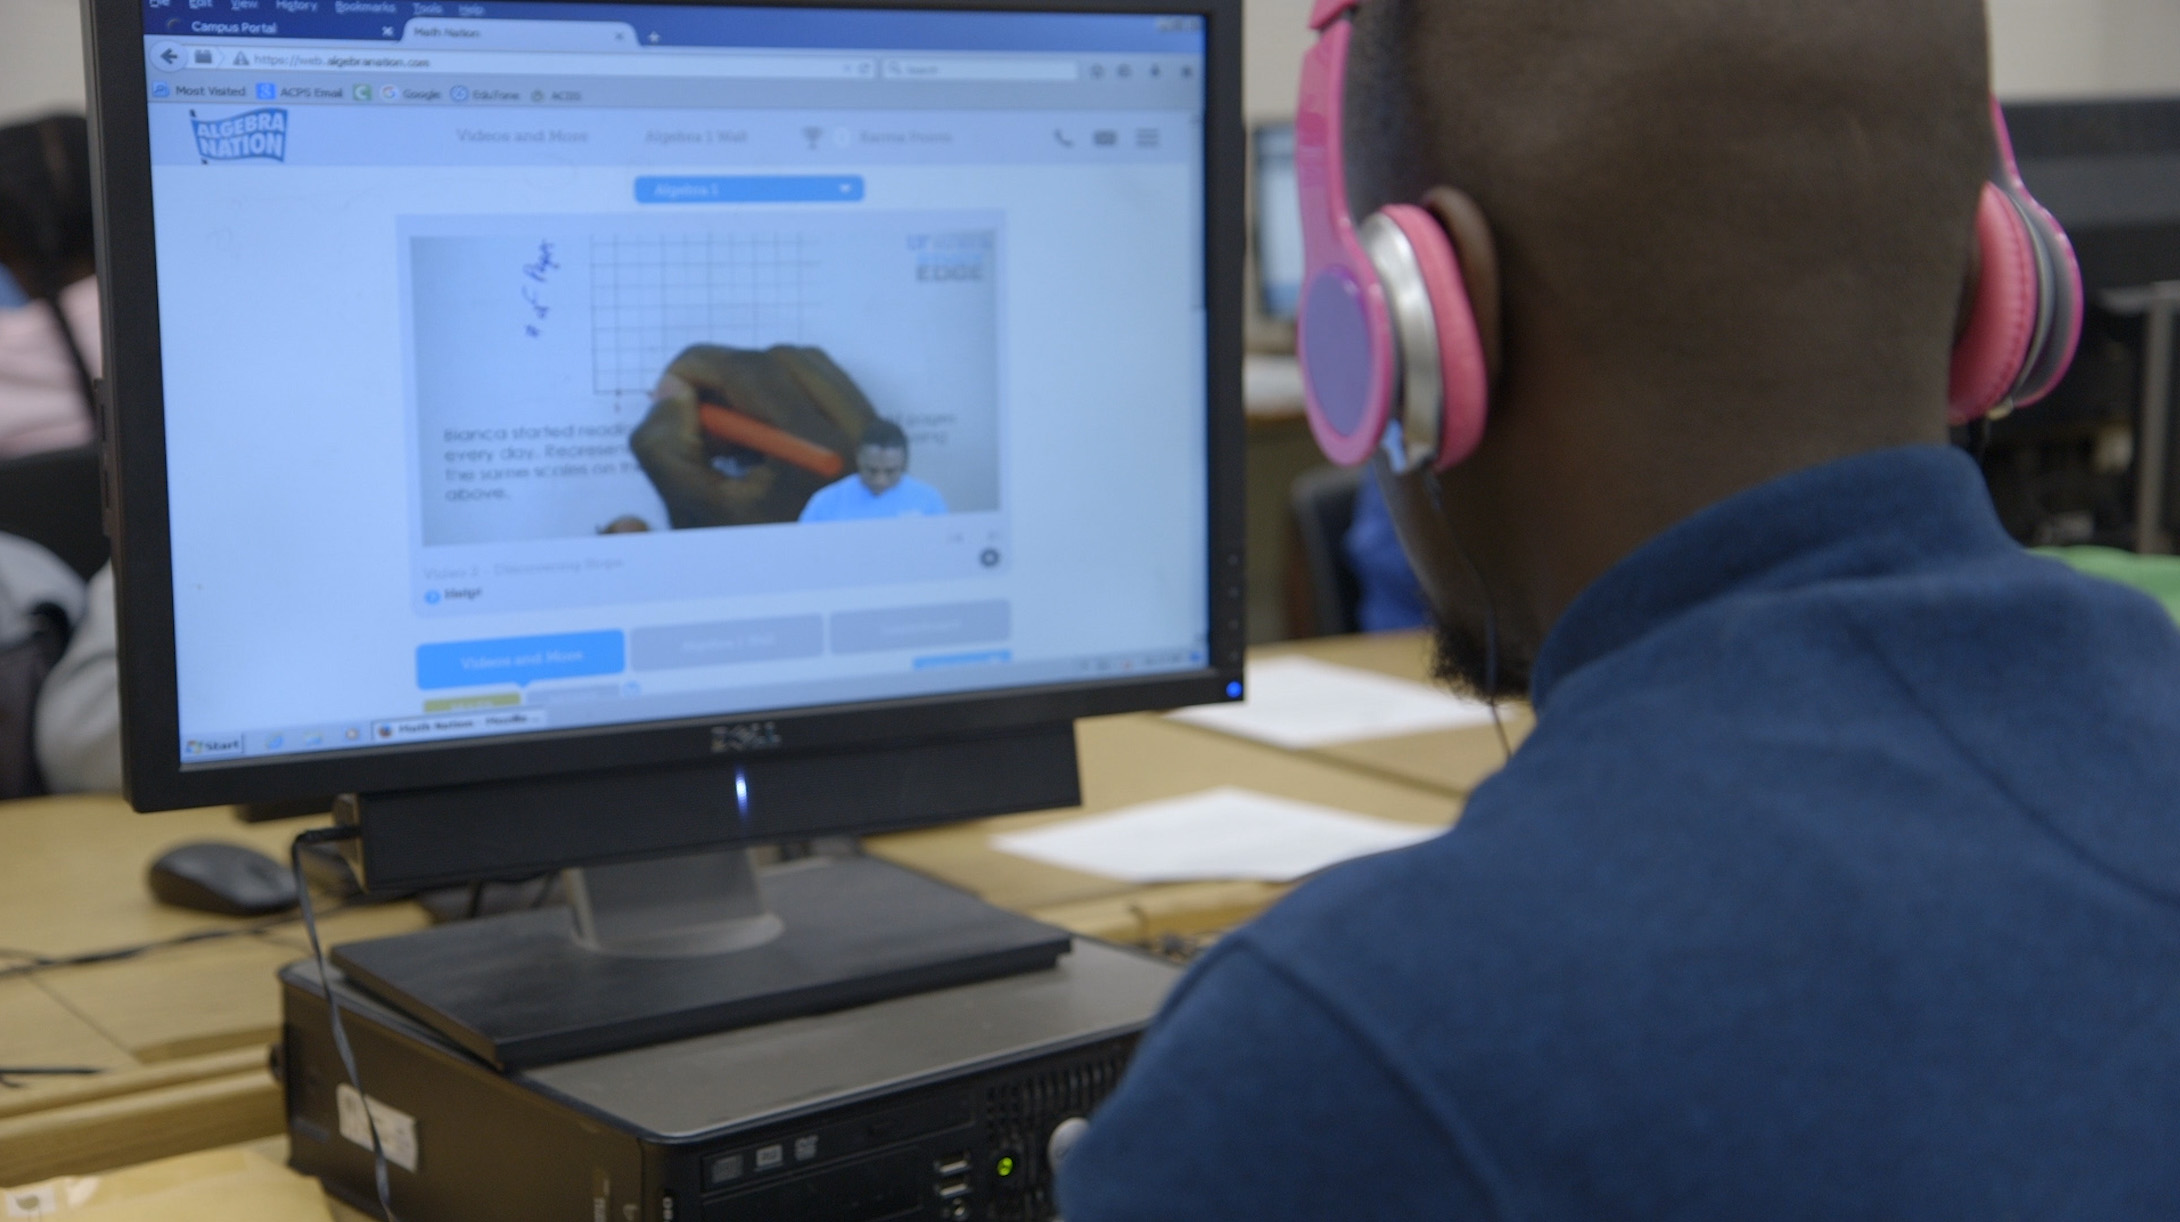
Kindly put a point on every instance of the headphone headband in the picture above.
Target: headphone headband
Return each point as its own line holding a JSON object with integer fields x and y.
{"x": 1325, "y": 12}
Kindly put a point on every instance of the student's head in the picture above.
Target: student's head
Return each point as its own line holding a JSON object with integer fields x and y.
{"x": 881, "y": 456}
{"x": 1710, "y": 242}
{"x": 45, "y": 203}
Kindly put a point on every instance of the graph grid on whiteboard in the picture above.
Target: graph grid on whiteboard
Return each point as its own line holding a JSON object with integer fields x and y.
{"x": 653, "y": 296}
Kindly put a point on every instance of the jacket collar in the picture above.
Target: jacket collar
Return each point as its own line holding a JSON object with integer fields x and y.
{"x": 1884, "y": 512}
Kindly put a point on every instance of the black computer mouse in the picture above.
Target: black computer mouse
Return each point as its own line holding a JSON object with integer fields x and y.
{"x": 229, "y": 879}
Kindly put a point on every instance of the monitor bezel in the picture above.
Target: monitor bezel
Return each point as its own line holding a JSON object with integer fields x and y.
{"x": 132, "y": 425}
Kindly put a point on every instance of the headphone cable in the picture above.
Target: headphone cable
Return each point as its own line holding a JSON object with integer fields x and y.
{"x": 1491, "y": 618}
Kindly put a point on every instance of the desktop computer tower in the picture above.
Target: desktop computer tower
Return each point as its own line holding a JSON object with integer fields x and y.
{"x": 938, "y": 1105}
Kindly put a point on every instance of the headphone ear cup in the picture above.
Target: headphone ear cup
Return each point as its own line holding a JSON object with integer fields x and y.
{"x": 1465, "y": 387}
{"x": 2059, "y": 330}
{"x": 2005, "y": 319}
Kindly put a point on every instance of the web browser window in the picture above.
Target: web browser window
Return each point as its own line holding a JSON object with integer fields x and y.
{"x": 534, "y": 366}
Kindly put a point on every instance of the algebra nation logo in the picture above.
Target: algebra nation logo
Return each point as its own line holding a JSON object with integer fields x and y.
{"x": 253, "y": 135}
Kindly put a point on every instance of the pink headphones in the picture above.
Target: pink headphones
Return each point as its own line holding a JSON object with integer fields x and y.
{"x": 1390, "y": 355}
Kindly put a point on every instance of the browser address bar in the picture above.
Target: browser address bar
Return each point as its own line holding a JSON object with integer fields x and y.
{"x": 543, "y": 63}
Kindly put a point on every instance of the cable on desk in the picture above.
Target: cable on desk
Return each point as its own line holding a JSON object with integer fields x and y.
{"x": 323, "y": 835}
{"x": 8, "y": 1073}
{"x": 33, "y": 962}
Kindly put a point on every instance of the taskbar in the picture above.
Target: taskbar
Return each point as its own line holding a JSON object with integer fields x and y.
{"x": 625, "y": 703}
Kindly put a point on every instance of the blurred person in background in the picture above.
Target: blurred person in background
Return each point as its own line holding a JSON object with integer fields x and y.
{"x": 59, "y": 710}
{"x": 49, "y": 345}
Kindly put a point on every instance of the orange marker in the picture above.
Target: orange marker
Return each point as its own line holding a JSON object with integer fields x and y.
{"x": 743, "y": 430}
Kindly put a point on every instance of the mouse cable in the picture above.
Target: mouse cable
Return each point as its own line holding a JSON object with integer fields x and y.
{"x": 30, "y": 962}
{"x": 8, "y": 1073}
{"x": 323, "y": 835}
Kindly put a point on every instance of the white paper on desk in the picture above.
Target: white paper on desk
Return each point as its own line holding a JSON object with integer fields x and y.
{"x": 1223, "y": 833}
{"x": 1299, "y": 703}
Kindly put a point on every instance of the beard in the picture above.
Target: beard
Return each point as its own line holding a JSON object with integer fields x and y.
{"x": 1465, "y": 658}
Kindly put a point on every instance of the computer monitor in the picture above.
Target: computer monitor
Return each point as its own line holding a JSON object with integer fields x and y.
{"x": 2110, "y": 171}
{"x": 1278, "y": 244}
{"x": 592, "y": 432}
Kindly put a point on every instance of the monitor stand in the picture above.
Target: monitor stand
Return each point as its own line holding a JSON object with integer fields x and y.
{"x": 683, "y": 946}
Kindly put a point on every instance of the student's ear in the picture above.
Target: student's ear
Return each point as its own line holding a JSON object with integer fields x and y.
{"x": 1478, "y": 250}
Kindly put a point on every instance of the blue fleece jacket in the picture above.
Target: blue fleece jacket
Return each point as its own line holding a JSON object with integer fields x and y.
{"x": 1840, "y": 879}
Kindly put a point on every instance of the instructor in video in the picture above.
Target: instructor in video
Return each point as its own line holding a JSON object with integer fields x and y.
{"x": 881, "y": 486}
{"x": 741, "y": 437}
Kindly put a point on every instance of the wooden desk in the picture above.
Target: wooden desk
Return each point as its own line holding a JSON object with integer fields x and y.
{"x": 1138, "y": 758}
{"x": 1449, "y": 762}
{"x": 184, "y": 1032}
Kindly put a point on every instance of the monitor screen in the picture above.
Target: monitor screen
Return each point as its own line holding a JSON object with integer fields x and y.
{"x": 531, "y": 368}
{"x": 1279, "y": 223}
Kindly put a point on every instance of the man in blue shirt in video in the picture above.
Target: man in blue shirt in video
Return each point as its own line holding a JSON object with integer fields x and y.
{"x": 1840, "y": 877}
{"x": 881, "y": 486}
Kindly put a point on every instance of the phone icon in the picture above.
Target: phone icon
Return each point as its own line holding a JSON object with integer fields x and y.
{"x": 1061, "y": 136}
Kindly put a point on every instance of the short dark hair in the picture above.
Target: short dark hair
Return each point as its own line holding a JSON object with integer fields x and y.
{"x": 883, "y": 435}
{"x": 1694, "y": 184}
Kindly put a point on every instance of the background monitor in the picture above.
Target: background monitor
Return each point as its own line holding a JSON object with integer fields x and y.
{"x": 2110, "y": 171}
{"x": 1278, "y": 245}
{"x": 526, "y": 394}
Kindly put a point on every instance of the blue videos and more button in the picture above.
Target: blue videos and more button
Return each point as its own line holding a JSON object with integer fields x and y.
{"x": 749, "y": 189}
{"x": 520, "y": 659}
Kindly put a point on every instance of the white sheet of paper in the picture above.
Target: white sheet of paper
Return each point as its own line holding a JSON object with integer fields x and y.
{"x": 1223, "y": 833}
{"x": 1299, "y": 703}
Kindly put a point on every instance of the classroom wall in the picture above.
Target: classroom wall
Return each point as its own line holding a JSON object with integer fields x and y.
{"x": 41, "y": 58}
{"x": 2040, "y": 49}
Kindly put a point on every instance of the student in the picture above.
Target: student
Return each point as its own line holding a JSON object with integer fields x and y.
{"x": 881, "y": 486}
{"x": 1841, "y": 875}
{"x": 49, "y": 346}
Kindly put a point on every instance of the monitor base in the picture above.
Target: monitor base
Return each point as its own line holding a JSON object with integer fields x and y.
{"x": 521, "y": 990}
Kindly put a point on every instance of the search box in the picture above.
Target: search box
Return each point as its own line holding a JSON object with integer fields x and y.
{"x": 539, "y": 63}
{"x": 966, "y": 68}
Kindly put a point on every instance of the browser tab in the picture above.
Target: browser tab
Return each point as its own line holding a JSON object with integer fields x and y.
{"x": 515, "y": 35}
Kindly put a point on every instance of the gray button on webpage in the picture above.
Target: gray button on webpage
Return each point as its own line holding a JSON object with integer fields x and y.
{"x": 726, "y": 642}
{"x": 921, "y": 627}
